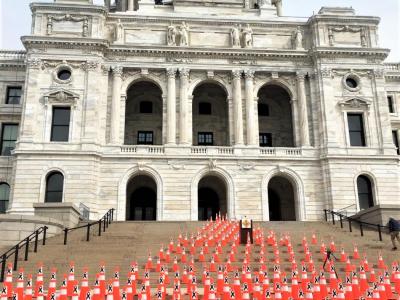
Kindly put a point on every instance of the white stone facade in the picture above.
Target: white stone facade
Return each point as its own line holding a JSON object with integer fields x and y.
{"x": 236, "y": 45}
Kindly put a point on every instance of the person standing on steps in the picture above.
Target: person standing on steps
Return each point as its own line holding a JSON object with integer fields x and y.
{"x": 394, "y": 230}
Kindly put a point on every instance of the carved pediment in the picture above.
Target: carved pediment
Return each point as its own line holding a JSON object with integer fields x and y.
{"x": 355, "y": 103}
{"x": 61, "y": 96}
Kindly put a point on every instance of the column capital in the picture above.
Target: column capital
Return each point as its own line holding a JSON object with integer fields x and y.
{"x": 184, "y": 72}
{"x": 237, "y": 73}
{"x": 117, "y": 70}
{"x": 300, "y": 75}
{"x": 171, "y": 72}
{"x": 249, "y": 73}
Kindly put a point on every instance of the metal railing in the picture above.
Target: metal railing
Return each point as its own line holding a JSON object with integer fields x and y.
{"x": 352, "y": 221}
{"x": 22, "y": 244}
{"x": 344, "y": 210}
{"x": 102, "y": 225}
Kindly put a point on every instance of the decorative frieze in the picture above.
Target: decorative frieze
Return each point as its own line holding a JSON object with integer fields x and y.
{"x": 68, "y": 18}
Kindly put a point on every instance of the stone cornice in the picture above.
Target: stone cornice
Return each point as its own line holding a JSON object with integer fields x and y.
{"x": 337, "y": 19}
{"x": 12, "y": 59}
{"x": 69, "y": 8}
{"x": 174, "y": 52}
{"x": 321, "y": 52}
{"x": 66, "y": 43}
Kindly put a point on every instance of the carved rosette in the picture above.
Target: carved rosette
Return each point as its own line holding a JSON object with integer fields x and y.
{"x": 34, "y": 63}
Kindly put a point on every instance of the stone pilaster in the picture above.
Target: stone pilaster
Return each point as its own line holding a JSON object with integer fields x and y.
{"x": 251, "y": 117}
{"x": 303, "y": 117}
{"x": 184, "y": 112}
{"x": 115, "y": 104}
{"x": 237, "y": 104}
{"x": 131, "y": 5}
{"x": 171, "y": 106}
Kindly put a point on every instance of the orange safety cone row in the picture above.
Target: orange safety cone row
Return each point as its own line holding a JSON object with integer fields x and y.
{"x": 52, "y": 284}
{"x": 28, "y": 290}
{"x": 63, "y": 291}
{"x": 39, "y": 280}
{"x": 19, "y": 290}
{"x": 4, "y": 292}
{"x": 84, "y": 285}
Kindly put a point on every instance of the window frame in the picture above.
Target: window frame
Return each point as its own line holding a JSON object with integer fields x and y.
{"x": 373, "y": 192}
{"x": 205, "y": 133}
{"x": 53, "y": 108}
{"x": 9, "y": 87}
{"x": 269, "y": 138}
{"x": 364, "y": 128}
{"x": 8, "y": 200}
{"x": 391, "y": 104}
{"x": 46, "y": 180}
{"x": 145, "y": 132}
{"x": 2, "y": 133}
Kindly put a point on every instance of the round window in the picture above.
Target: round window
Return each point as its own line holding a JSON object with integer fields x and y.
{"x": 64, "y": 74}
{"x": 351, "y": 83}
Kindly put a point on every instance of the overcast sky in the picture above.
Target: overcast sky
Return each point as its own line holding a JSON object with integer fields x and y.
{"x": 15, "y": 19}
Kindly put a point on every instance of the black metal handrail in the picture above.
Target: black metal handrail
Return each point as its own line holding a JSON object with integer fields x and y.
{"x": 350, "y": 220}
{"x": 24, "y": 243}
{"x": 102, "y": 223}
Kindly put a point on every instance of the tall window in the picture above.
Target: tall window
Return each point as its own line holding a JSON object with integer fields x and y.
{"x": 390, "y": 104}
{"x": 4, "y": 196}
{"x": 14, "y": 95}
{"x": 356, "y": 130}
{"x": 54, "y": 187}
{"x": 205, "y": 139}
{"x": 365, "y": 197}
{"x": 396, "y": 141}
{"x": 8, "y": 138}
{"x": 265, "y": 140}
{"x": 145, "y": 138}
{"x": 60, "y": 124}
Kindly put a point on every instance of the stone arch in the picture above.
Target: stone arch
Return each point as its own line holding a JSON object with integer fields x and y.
{"x": 373, "y": 180}
{"x": 230, "y": 190}
{"x": 216, "y": 80}
{"x": 298, "y": 188}
{"x": 138, "y": 78}
{"x": 43, "y": 179}
{"x": 278, "y": 82}
{"x": 122, "y": 185}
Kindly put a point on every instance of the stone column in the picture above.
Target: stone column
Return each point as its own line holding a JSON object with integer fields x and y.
{"x": 303, "y": 116}
{"x": 115, "y": 103}
{"x": 171, "y": 107}
{"x": 107, "y": 4}
{"x": 131, "y": 5}
{"x": 278, "y": 4}
{"x": 251, "y": 117}
{"x": 237, "y": 107}
{"x": 183, "y": 110}
{"x": 295, "y": 118}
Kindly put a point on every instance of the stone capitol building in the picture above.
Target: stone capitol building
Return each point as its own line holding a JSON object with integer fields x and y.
{"x": 180, "y": 109}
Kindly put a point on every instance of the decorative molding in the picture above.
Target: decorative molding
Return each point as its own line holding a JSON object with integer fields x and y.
{"x": 70, "y": 18}
{"x": 212, "y": 164}
{"x": 355, "y": 103}
{"x": 171, "y": 72}
{"x": 247, "y": 167}
{"x": 61, "y": 97}
{"x": 177, "y": 165}
{"x": 249, "y": 73}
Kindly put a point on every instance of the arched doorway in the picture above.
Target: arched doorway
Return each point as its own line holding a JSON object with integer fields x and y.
{"x": 274, "y": 117}
{"x": 141, "y": 202}
{"x": 143, "y": 114}
{"x": 212, "y": 197}
{"x": 210, "y": 115}
{"x": 365, "y": 195}
{"x": 281, "y": 199}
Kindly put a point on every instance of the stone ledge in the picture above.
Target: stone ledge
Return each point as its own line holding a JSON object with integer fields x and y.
{"x": 378, "y": 214}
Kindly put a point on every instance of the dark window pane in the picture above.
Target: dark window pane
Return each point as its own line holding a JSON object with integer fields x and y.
{"x": 263, "y": 109}
{"x": 64, "y": 74}
{"x": 205, "y": 138}
{"x": 390, "y": 104}
{"x": 4, "y": 197}
{"x": 145, "y": 138}
{"x": 54, "y": 187}
{"x": 352, "y": 83}
{"x": 265, "y": 140}
{"x": 146, "y": 107}
{"x": 13, "y": 95}
{"x": 8, "y": 138}
{"x": 60, "y": 124}
{"x": 396, "y": 141}
{"x": 364, "y": 189}
{"x": 356, "y": 130}
{"x": 204, "y": 108}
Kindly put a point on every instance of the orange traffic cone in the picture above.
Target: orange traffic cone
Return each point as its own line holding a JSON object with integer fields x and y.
{"x": 28, "y": 291}
{"x": 20, "y": 285}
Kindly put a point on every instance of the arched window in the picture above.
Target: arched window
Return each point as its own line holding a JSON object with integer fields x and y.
{"x": 54, "y": 187}
{"x": 4, "y": 195}
{"x": 365, "y": 197}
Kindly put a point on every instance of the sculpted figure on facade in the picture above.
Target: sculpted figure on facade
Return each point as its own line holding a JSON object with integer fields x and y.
{"x": 330, "y": 36}
{"x": 298, "y": 39}
{"x": 119, "y": 32}
{"x": 183, "y": 35}
{"x": 235, "y": 36}
{"x": 49, "y": 25}
{"x": 247, "y": 36}
{"x": 171, "y": 35}
{"x": 363, "y": 37}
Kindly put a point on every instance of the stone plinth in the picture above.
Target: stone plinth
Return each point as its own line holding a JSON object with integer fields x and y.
{"x": 378, "y": 214}
{"x": 67, "y": 213}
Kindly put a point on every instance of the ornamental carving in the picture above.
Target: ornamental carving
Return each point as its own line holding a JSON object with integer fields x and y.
{"x": 247, "y": 36}
{"x": 297, "y": 39}
{"x": 249, "y": 73}
{"x": 250, "y": 62}
{"x": 171, "y": 72}
{"x": 184, "y": 72}
{"x": 34, "y": 63}
{"x": 355, "y": 103}
{"x": 347, "y": 28}
{"x": 61, "y": 97}
{"x": 119, "y": 32}
{"x": 171, "y": 35}
{"x": 235, "y": 36}
{"x": 212, "y": 164}
{"x": 68, "y": 18}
